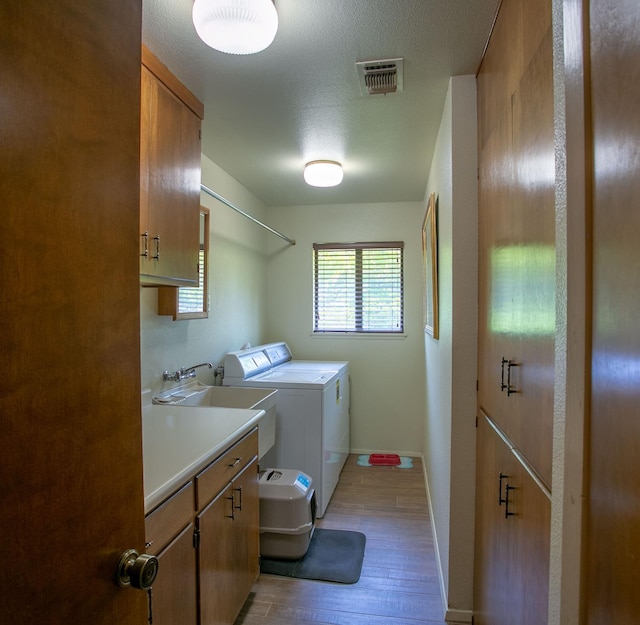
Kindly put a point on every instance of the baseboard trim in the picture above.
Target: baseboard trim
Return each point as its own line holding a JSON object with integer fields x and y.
{"x": 408, "y": 454}
{"x": 443, "y": 593}
{"x": 459, "y": 617}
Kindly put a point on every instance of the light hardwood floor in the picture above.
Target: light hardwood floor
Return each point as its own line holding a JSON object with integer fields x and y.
{"x": 398, "y": 584}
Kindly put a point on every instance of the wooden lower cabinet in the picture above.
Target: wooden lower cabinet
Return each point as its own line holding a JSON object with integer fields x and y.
{"x": 513, "y": 513}
{"x": 174, "y": 592}
{"x": 207, "y": 540}
{"x": 228, "y": 550}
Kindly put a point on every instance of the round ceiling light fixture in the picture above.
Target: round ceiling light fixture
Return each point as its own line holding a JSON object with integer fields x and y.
{"x": 236, "y": 26}
{"x": 323, "y": 173}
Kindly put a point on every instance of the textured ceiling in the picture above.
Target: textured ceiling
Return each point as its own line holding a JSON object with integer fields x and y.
{"x": 269, "y": 113}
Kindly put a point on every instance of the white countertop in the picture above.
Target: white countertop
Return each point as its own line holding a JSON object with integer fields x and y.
{"x": 177, "y": 442}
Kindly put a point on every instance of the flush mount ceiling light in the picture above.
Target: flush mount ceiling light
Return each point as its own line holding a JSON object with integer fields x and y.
{"x": 236, "y": 26}
{"x": 323, "y": 173}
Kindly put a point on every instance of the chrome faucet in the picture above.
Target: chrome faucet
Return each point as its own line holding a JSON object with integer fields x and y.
{"x": 184, "y": 372}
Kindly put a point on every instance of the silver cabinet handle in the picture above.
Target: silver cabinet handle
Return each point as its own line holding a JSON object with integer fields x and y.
{"x": 145, "y": 238}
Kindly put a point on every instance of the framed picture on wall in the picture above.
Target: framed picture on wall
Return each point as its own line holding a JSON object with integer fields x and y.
{"x": 430, "y": 265}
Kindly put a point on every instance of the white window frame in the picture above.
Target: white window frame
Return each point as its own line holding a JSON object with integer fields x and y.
{"x": 361, "y": 305}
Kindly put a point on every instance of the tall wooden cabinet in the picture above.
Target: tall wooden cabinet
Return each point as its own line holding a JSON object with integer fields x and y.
{"x": 170, "y": 157}
{"x": 516, "y": 315}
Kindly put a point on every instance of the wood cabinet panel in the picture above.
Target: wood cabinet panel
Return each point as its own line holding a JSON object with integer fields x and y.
{"x": 495, "y": 273}
{"x": 214, "y": 563}
{"x": 613, "y": 538}
{"x": 247, "y": 552}
{"x": 163, "y": 523}
{"x": 216, "y": 559}
{"x": 531, "y": 259}
{"x": 174, "y": 590}
{"x": 517, "y": 235}
{"x": 516, "y": 316}
{"x": 212, "y": 479}
{"x": 169, "y": 184}
{"x": 229, "y": 549}
{"x": 518, "y": 30}
{"x": 491, "y": 598}
{"x": 513, "y": 519}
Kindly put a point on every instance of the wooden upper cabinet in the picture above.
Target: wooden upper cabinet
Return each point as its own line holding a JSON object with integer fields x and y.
{"x": 170, "y": 154}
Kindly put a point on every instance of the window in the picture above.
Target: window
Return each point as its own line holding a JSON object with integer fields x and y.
{"x": 358, "y": 287}
{"x": 191, "y": 299}
{"x": 190, "y": 302}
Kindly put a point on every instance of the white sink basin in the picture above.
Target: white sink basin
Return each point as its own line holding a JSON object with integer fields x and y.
{"x": 201, "y": 395}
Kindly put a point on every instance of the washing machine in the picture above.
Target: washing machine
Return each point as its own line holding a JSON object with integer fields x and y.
{"x": 312, "y": 412}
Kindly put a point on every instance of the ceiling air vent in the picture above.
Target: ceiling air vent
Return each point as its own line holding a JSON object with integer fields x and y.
{"x": 380, "y": 77}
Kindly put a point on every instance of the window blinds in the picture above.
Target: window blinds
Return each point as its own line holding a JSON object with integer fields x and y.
{"x": 191, "y": 298}
{"x": 358, "y": 287}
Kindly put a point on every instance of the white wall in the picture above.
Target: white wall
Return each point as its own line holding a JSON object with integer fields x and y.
{"x": 237, "y": 290}
{"x": 451, "y": 361}
{"x": 387, "y": 374}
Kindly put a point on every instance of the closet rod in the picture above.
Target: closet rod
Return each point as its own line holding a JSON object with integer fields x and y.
{"x": 217, "y": 196}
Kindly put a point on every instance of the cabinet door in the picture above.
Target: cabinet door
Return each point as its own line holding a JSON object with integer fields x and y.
{"x": 170, "y": 186}
{"x": 495, "y": 275}
{"x": 247, "y": 536}
{"x": 491, "y": 586}
{"x": 215, "y": 559}
{"x": 528, "y": 531}
{"x": 517, "y": 230}
{"x": 174, "y": 591}
{"x": 512, "y": 537}
{"x": 531, "y": 257}
{"x": 229, "y": 549}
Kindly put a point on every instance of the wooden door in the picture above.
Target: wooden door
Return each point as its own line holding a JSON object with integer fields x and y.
{"x": 613, "y": 549}
{"x": 71, "y": 491}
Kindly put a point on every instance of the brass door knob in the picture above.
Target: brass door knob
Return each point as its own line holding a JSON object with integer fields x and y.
{"x": 138, "y": 571}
